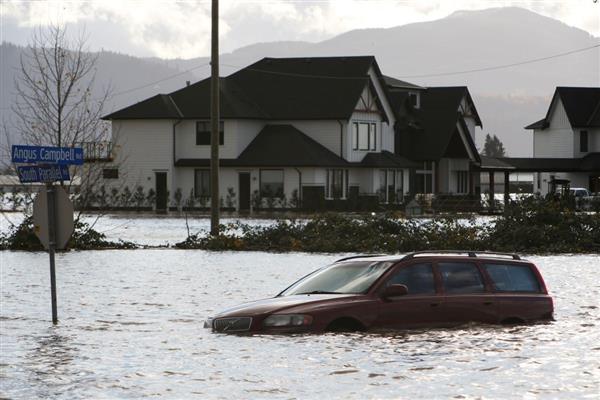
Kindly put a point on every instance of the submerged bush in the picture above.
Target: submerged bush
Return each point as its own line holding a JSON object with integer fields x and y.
{"x": 22, "y": 237}
{"x": 533, "y": 225}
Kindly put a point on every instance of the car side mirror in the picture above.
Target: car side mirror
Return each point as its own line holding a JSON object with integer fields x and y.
{"x": 394, "y": 291}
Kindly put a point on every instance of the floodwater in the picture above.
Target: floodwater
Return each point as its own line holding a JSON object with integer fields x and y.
{"x": 131, "y": 327}
{"x": 143, "y": 229}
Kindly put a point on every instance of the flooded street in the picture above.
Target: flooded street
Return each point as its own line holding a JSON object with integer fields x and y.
{"x": 131, "y": 327}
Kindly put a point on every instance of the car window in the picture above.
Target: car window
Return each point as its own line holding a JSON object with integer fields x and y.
{"x": 512, "y": 278}
{"x": 345, "y": 277}
{"x": 418, "y": 278}
{"x": 460, "y": 278}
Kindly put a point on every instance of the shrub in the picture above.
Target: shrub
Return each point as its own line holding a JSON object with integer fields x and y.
{"x": 532, "y": 225}
{"x": 22, "y": 237}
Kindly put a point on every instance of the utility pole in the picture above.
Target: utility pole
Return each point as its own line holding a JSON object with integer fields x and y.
{"x": 214, "y": 120}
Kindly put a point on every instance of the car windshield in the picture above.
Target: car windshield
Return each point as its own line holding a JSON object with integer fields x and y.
{"x": 343, "y": 278}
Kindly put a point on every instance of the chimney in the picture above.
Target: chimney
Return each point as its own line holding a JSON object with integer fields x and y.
{"x": 187, "y": 83}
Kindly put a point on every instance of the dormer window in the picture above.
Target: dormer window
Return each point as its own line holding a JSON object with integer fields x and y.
{"x": 414, "y": 99}
{"x": 364, "y": 136}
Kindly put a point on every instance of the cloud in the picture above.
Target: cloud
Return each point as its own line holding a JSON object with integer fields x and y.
{"x": 181, "y": 29}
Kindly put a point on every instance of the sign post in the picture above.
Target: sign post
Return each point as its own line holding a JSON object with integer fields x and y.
{"x": 52, "y": 209}
{"x": 51, "y": 248}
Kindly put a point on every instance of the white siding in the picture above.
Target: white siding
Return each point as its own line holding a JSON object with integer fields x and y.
{"x": 556, "y": 141}
{"x": 237, "y": 135}
{"x": 144, "y": 148}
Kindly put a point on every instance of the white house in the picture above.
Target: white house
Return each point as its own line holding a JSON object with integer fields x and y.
{"x": 293, "y": 130}
{"x": 566, "y": 142}
{"x": 310, "y": 131}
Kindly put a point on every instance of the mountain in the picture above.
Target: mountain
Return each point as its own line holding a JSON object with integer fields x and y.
{"x": 507, "y": 99}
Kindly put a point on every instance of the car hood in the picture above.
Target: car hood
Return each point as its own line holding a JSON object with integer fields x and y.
{"x": 299, "y": 303}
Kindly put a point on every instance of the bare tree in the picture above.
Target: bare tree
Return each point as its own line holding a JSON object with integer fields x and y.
{"x": 54, "y": 103}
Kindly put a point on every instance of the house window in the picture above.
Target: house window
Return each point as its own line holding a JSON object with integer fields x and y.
{"x": 462, "y": 181}
{"x": 583, "y": 141}
{"x": 337, "y": 182}
{"x": 391, "y": 184}
{"x": 364, "y": 136}
{"x": 110, "y": 173}
{"x": 202, "y": 182}
{"x": 203, "y": 133}
{"x": 424, "y": 178}
{"x": 271, "y": 183}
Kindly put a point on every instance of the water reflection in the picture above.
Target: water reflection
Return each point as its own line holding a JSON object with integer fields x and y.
{"x": 50, "y": 361}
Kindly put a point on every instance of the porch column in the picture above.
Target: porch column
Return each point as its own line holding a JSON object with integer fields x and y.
{"x": 506, "y": 188}
{"x": 492, "y": 184}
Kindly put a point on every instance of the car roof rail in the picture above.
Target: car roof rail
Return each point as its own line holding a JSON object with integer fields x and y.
{"x": 360, "y": 256}
{"x": 470, "y": 253}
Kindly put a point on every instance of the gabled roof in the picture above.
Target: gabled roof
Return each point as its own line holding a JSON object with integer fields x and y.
{"x": 541, "y": 124}
{"x": 437, "y": 118}
{"x": 582, "y": 105}
{"x": 398, "y": 84}
{"x": 284, "y": 145}
{"x": 160, "y": 106}
{"x": 278, "y": 146}
{"x": 273, "y": 89}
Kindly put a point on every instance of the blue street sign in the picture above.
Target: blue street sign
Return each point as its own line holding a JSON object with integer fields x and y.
{"x": 43, "y": 173}
{"x": 47, "y": 155}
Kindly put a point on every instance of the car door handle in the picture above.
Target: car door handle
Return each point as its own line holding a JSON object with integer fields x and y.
{"x": 487, "y": 303}
{"x": 434, "y": 304}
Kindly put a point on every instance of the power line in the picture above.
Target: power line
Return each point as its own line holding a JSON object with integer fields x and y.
{"x": 504, "y": 65}
{"x": 492, "y": 68}
{"x": 299, "y": 75}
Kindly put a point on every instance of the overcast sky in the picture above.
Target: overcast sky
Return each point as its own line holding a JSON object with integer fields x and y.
{"x": 181, "y": 29}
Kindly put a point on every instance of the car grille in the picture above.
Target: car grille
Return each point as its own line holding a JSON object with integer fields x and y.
{"x": 239, "y": 324}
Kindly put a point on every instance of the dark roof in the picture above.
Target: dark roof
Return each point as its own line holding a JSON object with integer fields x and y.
{"x": 541, "y": 124}
{"x": 160, "y": 106}
{"x": 386, "y": 159}
{"x": 437, "y": 119}
{"x": 589, "y": 163}
{"x": 494, "y": 163}
{"x": 397, "y": 83}
{"x": 273, "y": 89}
{"x": 278, "y": 146}
{"x": 582, "y": 105}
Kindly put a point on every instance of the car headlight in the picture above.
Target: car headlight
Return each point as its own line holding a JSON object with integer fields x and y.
{"x": 281, "y": 320}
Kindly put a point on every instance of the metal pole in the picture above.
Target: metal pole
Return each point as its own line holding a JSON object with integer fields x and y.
{"x": 50, "y": 190}
{"x": 214, "y": 119}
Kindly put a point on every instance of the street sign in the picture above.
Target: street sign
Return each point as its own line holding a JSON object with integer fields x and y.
{"x": 63, "y": 217}
{"x": 43, "y": 173}
{"x": 47, "y": 155}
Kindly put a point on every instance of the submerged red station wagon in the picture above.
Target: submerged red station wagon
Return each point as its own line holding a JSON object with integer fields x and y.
{"x": 421, "y": 289}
